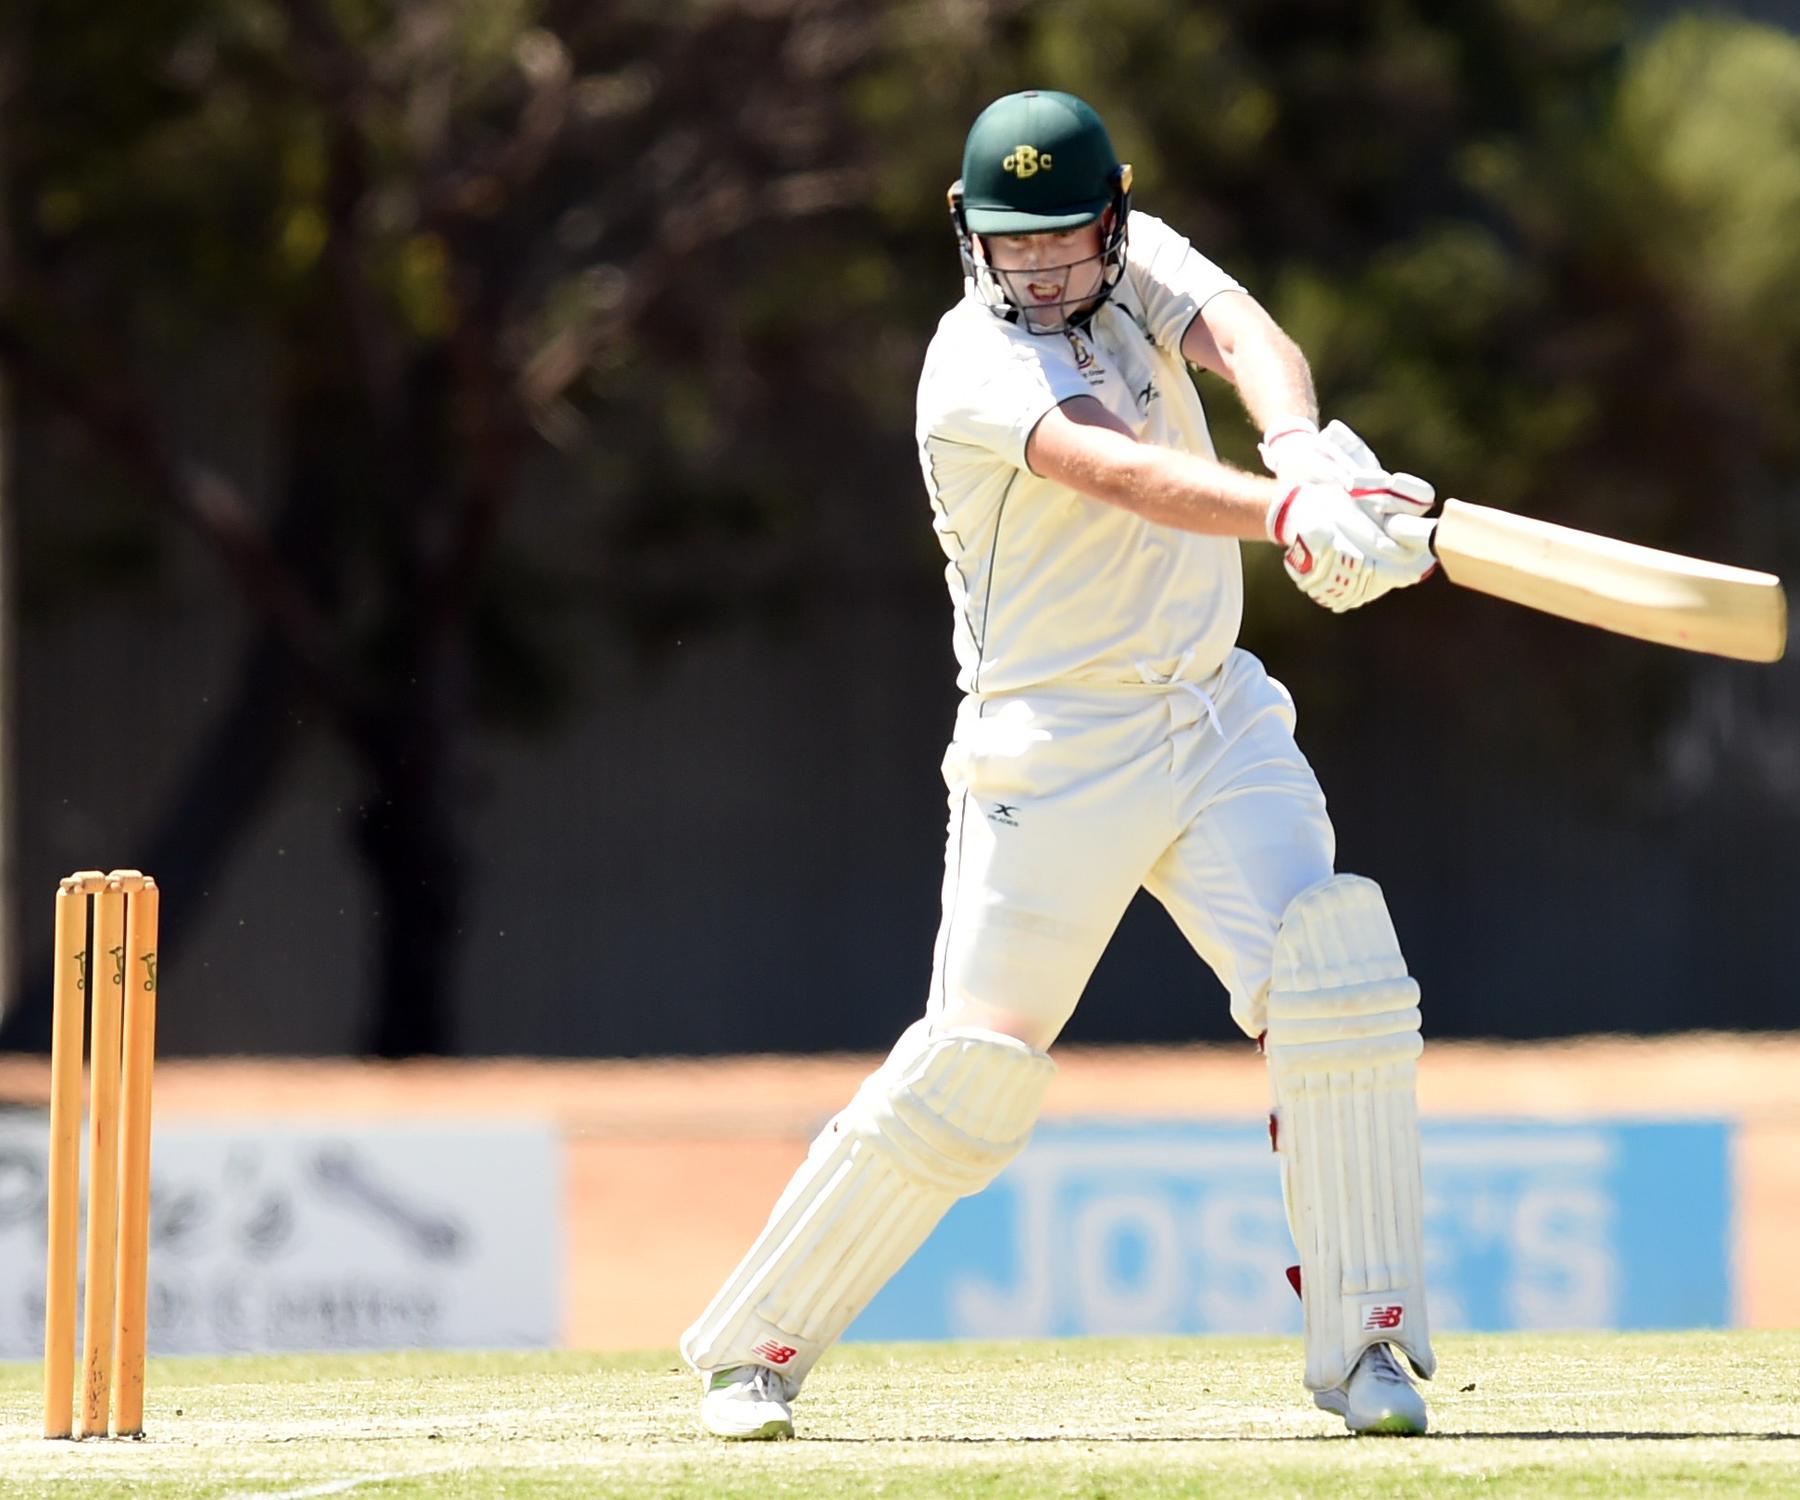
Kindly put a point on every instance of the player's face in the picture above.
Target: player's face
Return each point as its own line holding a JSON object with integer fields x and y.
{"x": 1050, "y": 277}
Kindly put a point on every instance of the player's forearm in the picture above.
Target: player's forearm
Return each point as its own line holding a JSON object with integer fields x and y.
{"x": 1272, "y": 378}
{"x": 1176, "y": 489}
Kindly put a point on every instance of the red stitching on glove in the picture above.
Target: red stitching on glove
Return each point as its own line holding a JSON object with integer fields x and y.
{"x": 1406, "y": 500}
{"x": 1281, "y": 517}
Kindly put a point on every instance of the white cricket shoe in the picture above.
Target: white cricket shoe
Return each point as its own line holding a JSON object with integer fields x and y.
{"x": 748, "y": 1401}
{"x": 1379, "y": 1396}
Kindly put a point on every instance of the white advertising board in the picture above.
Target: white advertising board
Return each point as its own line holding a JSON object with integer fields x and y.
{"x": 267, "y": 1237}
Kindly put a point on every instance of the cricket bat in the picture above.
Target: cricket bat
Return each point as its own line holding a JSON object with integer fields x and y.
{"x": 1618, "y": 586}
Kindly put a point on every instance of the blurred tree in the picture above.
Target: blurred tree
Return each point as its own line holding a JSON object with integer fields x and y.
{"x": 438, "y": 219}
{"x": 668, "y": 271}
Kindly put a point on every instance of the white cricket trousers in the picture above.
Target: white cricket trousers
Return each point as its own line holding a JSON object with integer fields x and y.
{"x": 1064, "y": 800}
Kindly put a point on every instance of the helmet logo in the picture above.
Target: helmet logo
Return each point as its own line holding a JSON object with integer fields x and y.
{"x": 1026, "y": 161}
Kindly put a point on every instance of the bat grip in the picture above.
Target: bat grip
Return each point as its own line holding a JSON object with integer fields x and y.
{"x": 1410, "y": 529}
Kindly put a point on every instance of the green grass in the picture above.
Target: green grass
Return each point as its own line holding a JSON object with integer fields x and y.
{"x": 1684, "y": 1414}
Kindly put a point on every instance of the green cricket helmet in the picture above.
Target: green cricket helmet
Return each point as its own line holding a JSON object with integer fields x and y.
{"x": 1036, "y": 163}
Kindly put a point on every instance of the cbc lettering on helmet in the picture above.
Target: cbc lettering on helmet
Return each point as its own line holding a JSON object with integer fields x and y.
{"x": 1026, "y": 161}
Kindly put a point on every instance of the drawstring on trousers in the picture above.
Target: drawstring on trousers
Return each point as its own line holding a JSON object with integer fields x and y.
{"x": 1172, "y": 680}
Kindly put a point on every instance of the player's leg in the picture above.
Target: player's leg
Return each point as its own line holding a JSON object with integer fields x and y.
{"x": 1343, "y": 1045}
{"x": 1027, "y": 912}
{"x": 1250, "y": 883}
{"x": 1058, "y": 806}
{"x": 1040, "y": 864}
{"x": 1254, "y": 833}
{"x": 940, "y": 1117}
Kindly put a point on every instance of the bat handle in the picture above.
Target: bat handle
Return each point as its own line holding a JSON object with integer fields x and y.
{"x": 1412, "y": 529}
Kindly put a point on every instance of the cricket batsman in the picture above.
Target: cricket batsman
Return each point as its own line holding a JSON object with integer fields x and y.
{"x": 1113, "y": 736}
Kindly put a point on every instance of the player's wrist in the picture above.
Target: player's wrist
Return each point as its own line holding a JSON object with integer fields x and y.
{"x": 1292, "y": 425}
{"x": 1292, "y": 449}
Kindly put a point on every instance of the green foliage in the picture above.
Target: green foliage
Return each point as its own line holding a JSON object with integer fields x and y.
{"x": 1710, "y": 113}
{"x": 1540, "y": 252}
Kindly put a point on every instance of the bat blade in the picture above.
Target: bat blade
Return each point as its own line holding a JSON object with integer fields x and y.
{"x": 1618, "y": 586}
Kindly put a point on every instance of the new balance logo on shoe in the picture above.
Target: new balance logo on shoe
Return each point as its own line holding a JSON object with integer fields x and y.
{"x": 776, "y": 1354}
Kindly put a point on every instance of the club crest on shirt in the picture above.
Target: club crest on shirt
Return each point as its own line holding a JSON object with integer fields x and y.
{"x": 1084, "y": 357}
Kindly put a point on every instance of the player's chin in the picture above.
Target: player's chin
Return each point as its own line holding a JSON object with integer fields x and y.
{"x": 1047, "y": 317}
{"x": 1059, "y": 317}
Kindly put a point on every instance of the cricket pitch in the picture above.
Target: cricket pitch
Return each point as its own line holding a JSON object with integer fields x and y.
{"x": 1544, "y": 1416}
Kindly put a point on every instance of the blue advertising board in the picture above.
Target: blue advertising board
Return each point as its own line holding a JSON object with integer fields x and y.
{"x": 1177, "y": 1227}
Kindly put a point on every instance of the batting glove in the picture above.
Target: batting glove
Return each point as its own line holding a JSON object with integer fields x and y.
{"x": 1296, "y": 452}
{"x": 1339, "y": 554}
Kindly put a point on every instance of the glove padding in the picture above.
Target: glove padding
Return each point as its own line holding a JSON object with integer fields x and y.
{"x": 1339, "y": 553}
{"x": 1296, "y": 452}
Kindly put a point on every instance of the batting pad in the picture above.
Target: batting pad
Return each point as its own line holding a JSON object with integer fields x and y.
{"x": 1343, "y": 1047}
{"x": 934, "y": 1123}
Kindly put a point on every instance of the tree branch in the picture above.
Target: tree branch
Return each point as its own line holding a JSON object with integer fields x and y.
{"x": 204, "y": 500}
{"x": 482, "y": 189}
{"x": 724, "y": 212}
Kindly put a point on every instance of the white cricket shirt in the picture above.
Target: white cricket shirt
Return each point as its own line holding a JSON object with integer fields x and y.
{"x": 1049, "y": 585}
